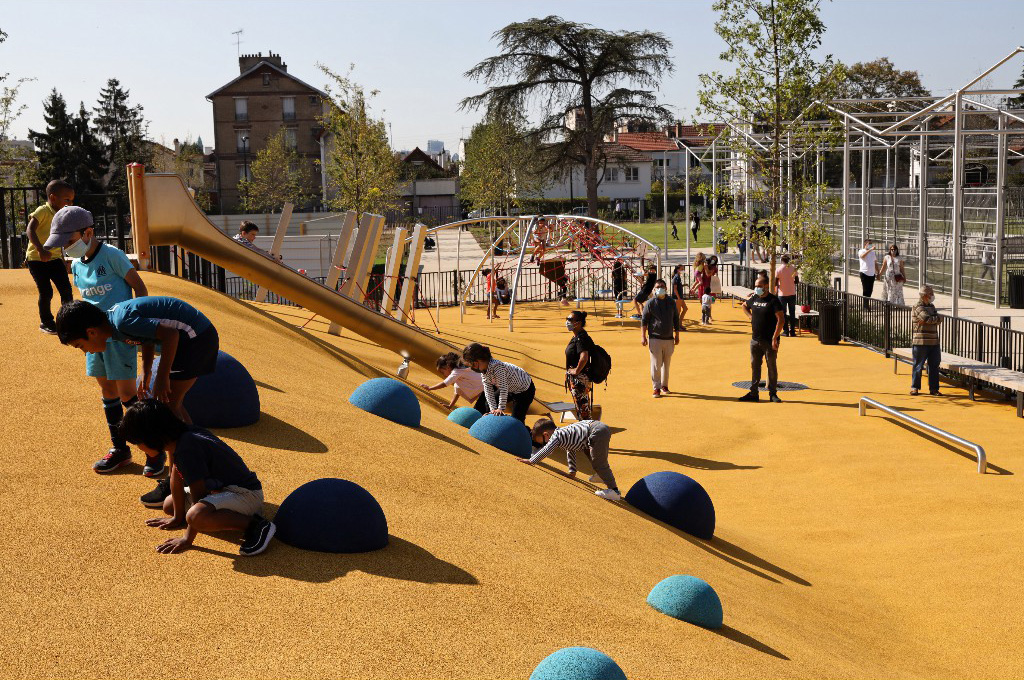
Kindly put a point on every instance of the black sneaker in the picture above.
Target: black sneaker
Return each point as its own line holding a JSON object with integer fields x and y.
{"x": 775, "y": 398}
{"x": 155, "y": 498}
{"x": 114, "y": 459}
{"x": 750, "y": 396}
{"x": 155, "y": 466}
{"x": 257, "y": 536}
{"x": 48, "y": 328}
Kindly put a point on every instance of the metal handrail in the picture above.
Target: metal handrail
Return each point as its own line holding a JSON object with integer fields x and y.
{"x": 978, "y": 451}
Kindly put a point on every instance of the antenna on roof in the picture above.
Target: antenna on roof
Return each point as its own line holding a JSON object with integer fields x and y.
{"x": 238, "y": 41}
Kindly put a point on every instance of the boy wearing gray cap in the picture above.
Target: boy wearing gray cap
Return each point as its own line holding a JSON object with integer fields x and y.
{"x": 105, "y": 277}
{"x": 46, "y": 265}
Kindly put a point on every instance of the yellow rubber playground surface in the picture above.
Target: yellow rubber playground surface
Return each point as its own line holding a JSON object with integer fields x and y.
{"x": 845, "y": 547}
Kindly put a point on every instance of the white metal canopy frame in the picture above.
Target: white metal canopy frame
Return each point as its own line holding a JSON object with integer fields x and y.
{"x": 515, "y": 235}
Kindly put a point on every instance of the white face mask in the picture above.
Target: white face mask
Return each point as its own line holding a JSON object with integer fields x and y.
{"x": 660, "y": 292}
{"x": 759, "y": 291}
{"x": 78, "y": 249}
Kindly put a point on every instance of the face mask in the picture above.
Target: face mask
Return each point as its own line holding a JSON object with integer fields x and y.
{"x": 77, "y": 249}
{"x": 759, "y": 291}
{"x": 660, "y": 292}
{"x": 568, "y": 324}
{"x": 477, "y": 370}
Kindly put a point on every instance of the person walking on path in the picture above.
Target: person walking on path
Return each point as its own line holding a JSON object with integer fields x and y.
{"x": 695, "y": 223}
{"x": 577, "y": 359}
{"x": 679, "y": 292}
{"x": 868, "y": 269}
{"x": 925, "y": 342}
{"x": 893, "y": 275}
{"x": 785, "y": 281}
{"x": 766, "y": 321}
{"x": 659, "y": 331}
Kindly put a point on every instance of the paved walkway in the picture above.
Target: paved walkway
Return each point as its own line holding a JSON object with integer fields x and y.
{"x": 451, "y": 249}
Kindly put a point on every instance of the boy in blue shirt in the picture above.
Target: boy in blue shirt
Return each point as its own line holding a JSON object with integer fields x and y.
{"x": 188, "y": 347}
{"x": 105, "y": 276}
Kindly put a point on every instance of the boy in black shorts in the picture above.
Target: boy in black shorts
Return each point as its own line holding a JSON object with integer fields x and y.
{"x": 645, "y": 290}
{"x": 189, "y": 344}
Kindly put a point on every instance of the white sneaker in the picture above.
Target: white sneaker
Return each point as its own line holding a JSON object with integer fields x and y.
{"x": 608, "y": 494}
{"x": 595, "y": 478}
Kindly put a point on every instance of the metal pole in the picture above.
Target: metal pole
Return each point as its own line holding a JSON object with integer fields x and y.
{"x": 664, "y": 195}
{"x": 895, "y": 192}
{"x": 789, "y": 182}
{"x": 958, "y": 199}
{"x": 458, "y": 273}
{"x": 686, "y": 218}
{"x": 750, "y": 211}
{"x": 846, "y": 209}
{"x": 714, "y": 195}
{"x": 865, "y": 180}
{"x": 437, "y": 278}
{"x": 922, "y": 211}
{"x": 1000, "y": 208}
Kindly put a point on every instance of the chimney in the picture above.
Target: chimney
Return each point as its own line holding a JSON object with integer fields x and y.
{"x": 247, "y": 61}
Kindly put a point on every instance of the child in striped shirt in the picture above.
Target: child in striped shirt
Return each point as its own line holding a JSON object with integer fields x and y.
{"x": 505, "y": 385}
{"x": 589, "y": 437}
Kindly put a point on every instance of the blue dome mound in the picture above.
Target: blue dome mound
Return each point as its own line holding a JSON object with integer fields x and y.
{"x": 676, "y": 500}
{"x": 388, "y": 398}
{"x": 464, "y": 416}
{"x": 689, "y": 599}
{"x": 578, "y": 663}
{"x": 505, "y": 433}
{"x": 332, "y": 515}
{"x": 225, "y": 398}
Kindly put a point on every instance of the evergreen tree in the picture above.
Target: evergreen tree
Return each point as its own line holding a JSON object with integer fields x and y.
{"x": 1017, "y": 102}
{"x": 68, "y": 149}
{"x": 122, "y": 129}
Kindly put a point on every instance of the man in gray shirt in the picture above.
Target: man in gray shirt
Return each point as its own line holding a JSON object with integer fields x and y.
{"x": 659, "y": 331}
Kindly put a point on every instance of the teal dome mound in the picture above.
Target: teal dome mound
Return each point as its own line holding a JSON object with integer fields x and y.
{"x": 689, "y": 599}
{"x": 388, "y": 398}
{"x": 505, "y": 433}
{"x": 464, "y": 416}
{"x": 334, "y": 516}
{"x": 225, "y": 398}
{"x": 578, "y": 663}
{"x": 676, "y": 500}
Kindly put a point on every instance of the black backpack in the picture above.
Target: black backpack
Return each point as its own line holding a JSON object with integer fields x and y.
{"x": 600, "y": 364}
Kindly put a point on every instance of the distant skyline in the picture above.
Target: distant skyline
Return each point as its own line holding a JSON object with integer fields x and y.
{"x": 170, "y": 55}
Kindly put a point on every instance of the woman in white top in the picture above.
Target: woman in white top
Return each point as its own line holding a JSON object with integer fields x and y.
{"x": 893, "y": 276}
{"x": 465, "y": 382}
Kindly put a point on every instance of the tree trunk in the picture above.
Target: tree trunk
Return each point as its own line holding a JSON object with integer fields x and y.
{"x": 590, "y": 177}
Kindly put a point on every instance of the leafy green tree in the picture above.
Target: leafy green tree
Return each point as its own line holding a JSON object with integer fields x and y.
{"x": 772, "y": 45}
{"x": 362, "y": 170}
{"x": 122, "y": 129}
{"x": 880, "y": 79}
{"x": 581, "y": 80}
{"x": 16, "y": 163}
{"x": 68, "y": 149}
{"x": 500, "y": 168}
{"x": 278, "y": 176}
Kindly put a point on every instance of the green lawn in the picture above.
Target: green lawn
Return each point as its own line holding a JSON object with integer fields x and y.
{"x": 655, "y": 232}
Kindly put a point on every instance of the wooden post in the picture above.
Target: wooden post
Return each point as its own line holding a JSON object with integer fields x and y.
{"x": 363, "y": 254}
{"x": 275, "y": 250}
{"x": 406, "y": 300}
{"x": 338, "y": 260}
{"x": 393, "y": 269}
{"x": 140, "y": 214}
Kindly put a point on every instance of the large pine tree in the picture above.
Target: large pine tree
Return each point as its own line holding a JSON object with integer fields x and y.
{"x": 122, "y": 129}
{"x": 68, "y": 149}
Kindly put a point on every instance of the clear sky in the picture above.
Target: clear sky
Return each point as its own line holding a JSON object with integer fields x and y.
{"x": 172, "y": 54}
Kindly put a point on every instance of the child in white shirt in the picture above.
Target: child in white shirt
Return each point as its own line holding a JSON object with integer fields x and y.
{"x": 465, "y": 382}
{"x": 706, "y": 301}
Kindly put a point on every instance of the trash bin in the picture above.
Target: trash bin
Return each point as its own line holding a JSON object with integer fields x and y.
{"x": 1015, "y": 282}
{"x": 829, "y": 323}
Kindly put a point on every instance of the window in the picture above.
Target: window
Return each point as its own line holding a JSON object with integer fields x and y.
{"x": 632, "y": 174}
{"x": 660, "y": 162}
{"x": 266, "y": 80}
{"x": 314, "y": 99}
{"x": 611, "y": 174}
{"x": 288, "y": 107}
{"x": 244, "y": 173}
{"x": 241, "y": 109}
{"x": 242, "y": 141}
{"x": 289, "y": 139}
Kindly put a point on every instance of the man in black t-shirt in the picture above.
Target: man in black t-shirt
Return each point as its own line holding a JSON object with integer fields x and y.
{"x": 767, "y": 319}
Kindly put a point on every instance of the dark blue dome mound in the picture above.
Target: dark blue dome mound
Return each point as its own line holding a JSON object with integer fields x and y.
{"x": 388, "y": 398}
{"x": 689, "y": 599}
{"x": 676, "y": 500}
{"x": 225, "y": 398}
{"x": 578, "y": 663}
{"x": 505, "y": 433}
{"x": 464, "y": 416}
{"x": 332, "y": 515}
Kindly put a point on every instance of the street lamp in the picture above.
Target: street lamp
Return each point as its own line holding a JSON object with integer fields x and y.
{"x": 245, "y": 167}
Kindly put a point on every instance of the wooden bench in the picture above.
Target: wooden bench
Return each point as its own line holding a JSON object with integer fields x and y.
{"x": 975, "y": 371}
{"x": 737, "y": 293}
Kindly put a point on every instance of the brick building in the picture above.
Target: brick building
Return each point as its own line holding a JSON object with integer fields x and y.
{"x": 252, "y": 108}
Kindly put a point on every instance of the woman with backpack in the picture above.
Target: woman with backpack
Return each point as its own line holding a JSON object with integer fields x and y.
{"x": 577, "y": 359}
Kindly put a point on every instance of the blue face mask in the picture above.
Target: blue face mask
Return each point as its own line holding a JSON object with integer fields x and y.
{"x": 78, "y": 249}
{"x": 759, "y": 291}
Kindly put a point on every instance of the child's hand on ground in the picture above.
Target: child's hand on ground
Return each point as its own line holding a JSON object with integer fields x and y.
{"x": 165, "y": 523}
{"x": 497, "y": 412}
{"x": 425, "y": 386}
{"x": 525, "y": 461}
{"x": 174, "y": 545}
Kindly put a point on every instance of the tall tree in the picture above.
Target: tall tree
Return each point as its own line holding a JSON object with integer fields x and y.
{"x": 122, "y": 128}
{"x": 278, "y": 176}
{"x": 1017, "y": 102}
{"x": 772, "y": 44}
{"x": 15, "y": 161}
{"x": 500, "y": 167}
{"x": 362, "y": 170}
{"x": 880, "y": 79}
{"x": 68, "y": 148}
{"x": 582, "y": 80}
